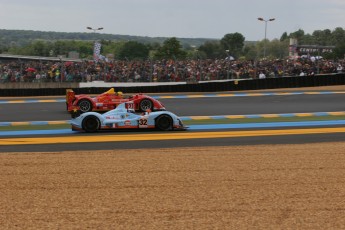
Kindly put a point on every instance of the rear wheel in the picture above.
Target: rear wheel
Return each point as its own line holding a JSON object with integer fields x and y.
{"x": 91, "y": 124}
{"x": 145, "y": 104}
{"x": 85, "y": 105}
{"x": 164, "y": 122}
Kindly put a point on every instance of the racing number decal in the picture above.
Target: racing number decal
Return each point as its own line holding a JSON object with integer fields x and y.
{"x": 130, "y": 106}
{"x": 143, "y": 123}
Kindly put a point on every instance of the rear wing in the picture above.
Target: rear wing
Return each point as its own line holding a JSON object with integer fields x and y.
{"x": 70, "y": 96}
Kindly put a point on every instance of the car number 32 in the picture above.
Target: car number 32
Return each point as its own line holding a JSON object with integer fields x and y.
{"x": 143, "y": 123}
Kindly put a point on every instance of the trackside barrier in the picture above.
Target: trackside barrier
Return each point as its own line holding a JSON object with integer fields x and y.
{"x": 215, "y": 86}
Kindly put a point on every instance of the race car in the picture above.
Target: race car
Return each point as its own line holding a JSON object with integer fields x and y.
{"x": 107, "y": 101}
{"x": 124, "y": 117}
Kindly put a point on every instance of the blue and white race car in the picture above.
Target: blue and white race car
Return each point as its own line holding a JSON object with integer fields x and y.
{"x": 124, "y": 117}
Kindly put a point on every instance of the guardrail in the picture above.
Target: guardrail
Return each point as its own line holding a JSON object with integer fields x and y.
{"x": 53, "y": 89}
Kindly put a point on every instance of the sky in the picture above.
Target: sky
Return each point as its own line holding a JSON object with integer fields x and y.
{"x": 174, "y": 18}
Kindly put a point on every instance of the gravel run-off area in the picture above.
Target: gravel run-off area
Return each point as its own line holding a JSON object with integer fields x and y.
{"x": 245, "y": 187}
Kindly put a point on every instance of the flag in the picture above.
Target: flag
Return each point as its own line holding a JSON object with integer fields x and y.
{"x": 96, "y": 51}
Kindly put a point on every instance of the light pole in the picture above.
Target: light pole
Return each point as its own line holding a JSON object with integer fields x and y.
{"x": 95, "y": 55}
{"x": 228, "y": 62}
{"x": 268, "y": 20}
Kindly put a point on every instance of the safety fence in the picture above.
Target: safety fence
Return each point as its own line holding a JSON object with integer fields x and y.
{"x": 54, "y": 89}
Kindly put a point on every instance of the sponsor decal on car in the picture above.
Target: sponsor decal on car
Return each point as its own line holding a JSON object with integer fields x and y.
{"x": 127, "y": 123}
{"x": 114, "y": 117}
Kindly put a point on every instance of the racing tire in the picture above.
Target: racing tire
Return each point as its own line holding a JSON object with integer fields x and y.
{"x": 85, "y": 105}
{"x": 164, "y": 122}
{"x": 145, "y": 104}
{"x": 91, "y": 124}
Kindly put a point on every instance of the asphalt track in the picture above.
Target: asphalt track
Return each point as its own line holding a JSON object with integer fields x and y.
{"x": 203, "y": 106}
{"x": 195, "y": 106}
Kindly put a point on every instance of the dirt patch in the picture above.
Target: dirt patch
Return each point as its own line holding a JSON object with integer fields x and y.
{"x": 260, "y": 187}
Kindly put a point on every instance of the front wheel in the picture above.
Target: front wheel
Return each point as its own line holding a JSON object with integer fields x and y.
{"x": 85, "y": 105}
{"x": 91, "y": 124}
{"x": 145, "y": 104}
{"x": 164, "y": 122}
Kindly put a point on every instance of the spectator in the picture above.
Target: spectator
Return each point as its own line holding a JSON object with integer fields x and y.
{"x": 262, "y": 75}
{"x": 163, "y": 70}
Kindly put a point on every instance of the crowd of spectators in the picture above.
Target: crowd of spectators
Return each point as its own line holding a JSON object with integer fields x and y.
{"x": 161, "y": 70}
